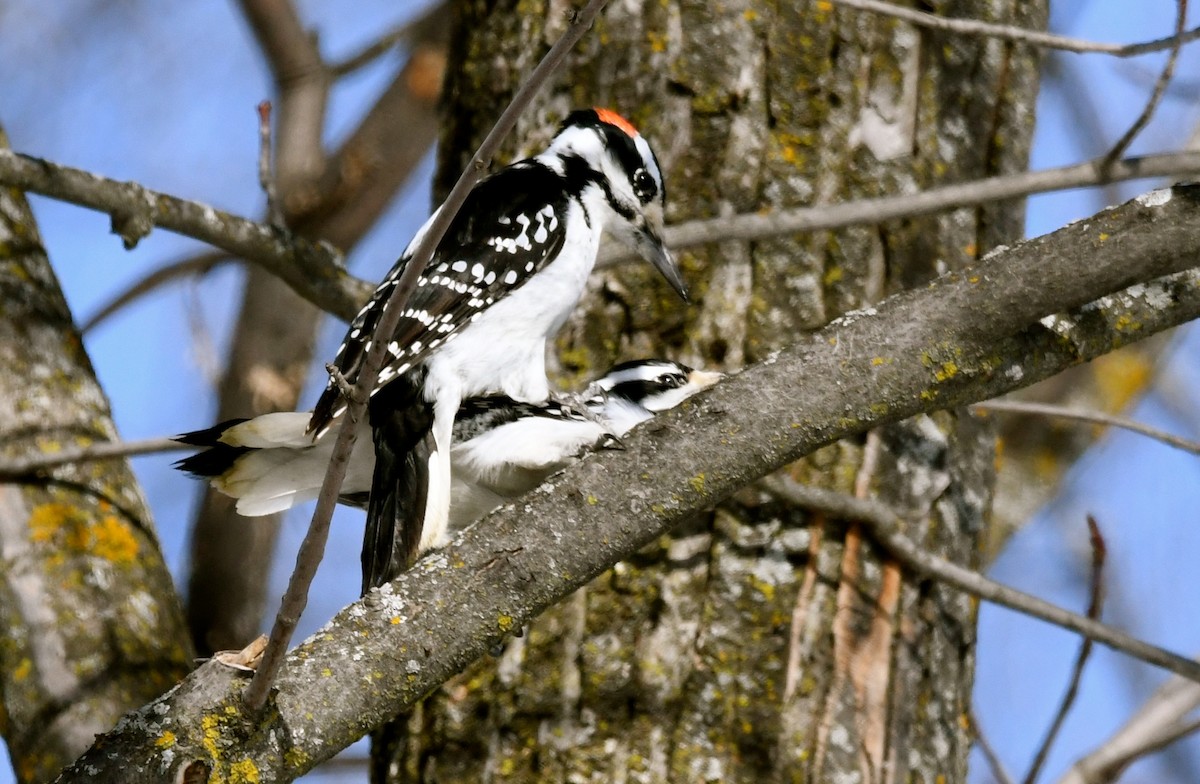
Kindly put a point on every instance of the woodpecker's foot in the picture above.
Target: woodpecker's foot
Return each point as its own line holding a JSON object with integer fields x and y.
{"x": 577, "y": 405}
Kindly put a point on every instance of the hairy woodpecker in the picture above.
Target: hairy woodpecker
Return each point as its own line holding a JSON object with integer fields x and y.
{"x": 502, "y": 447}
{"x": 508, "y": 272}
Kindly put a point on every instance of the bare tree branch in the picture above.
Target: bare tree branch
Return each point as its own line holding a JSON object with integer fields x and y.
{"x": 1095, "y": 606}
{"x": 968, "y": 336}
{"x": 23, "y": 468}
{"x": 755, "y": 226}
{"x": 416, "y": 29}
{"x": 1018, "y": 34}
{"x": 1161, "y": 720}
{"x": 1160, "y": 89}
{"x": 995, "y": 764}
{"x": 191, "y": 266}
{"x": 1095, "y": 417}
{"x": 314, "y": 270}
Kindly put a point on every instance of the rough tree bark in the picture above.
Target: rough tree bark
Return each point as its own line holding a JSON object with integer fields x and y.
{"x": 89, "y": 620}
{"x": 758, "y": 641}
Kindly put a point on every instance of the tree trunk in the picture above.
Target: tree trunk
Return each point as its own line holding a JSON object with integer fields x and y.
{"x": 759, "y": 642}
{"x": 75, "y": 540}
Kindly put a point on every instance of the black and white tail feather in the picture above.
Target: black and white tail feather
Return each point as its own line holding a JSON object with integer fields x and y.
{"x": 501, "y": 282}
{"x": 502, "y": 447}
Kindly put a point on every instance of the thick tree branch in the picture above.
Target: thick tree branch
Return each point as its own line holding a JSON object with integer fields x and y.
{"x": 966, "y": 337}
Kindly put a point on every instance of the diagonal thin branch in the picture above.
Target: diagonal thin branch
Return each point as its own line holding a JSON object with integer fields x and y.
{"x": 1160, "y": 721}
{"x": 411, "y": 30}
{"x": 313, "y": 546}
{"x": 995, "y": 764}
{"x": 1094, "y": 417}
{"x": 885, "y": 527}
{"x": 1160, "y": 89}
{"x": 1019, "y": 34}
{"x": 1095, "y": 606}
{"x": 197, "y": 265}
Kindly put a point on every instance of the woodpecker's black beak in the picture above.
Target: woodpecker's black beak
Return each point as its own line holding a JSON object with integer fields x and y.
{"x": 651, "y": 246}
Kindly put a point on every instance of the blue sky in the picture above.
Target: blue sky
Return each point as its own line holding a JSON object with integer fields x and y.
{"x": 167, "y": 98}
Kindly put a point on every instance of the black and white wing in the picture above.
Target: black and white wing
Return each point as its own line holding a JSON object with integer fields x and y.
{"x": 511, "y": 226}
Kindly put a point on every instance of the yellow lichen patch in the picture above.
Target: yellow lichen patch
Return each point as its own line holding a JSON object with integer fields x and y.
{"x": 24, "y": 667}
{"x": 210, "y": 725}
{"x": 697, "y": 483}
{"x": 949, "y": 369}
{"x": 244, "y": 772}
{"x": 592, "y": 500}
{"x": 763, "y": 587}
{"x": 658, "y": 41}
{"x": 505, "y": 622}
{"x": 877, "y": 361}
{"x": 833, "y": 275}
{"x": 48, "y": 519}
{"x": 71, "y": 528}
{"x": 1103, "y": 236}
{"x": 394, "y": 620}
{"x": 113, "y": 541}
{"x": 295, "y": 758}
{"x": 166, "y": 740}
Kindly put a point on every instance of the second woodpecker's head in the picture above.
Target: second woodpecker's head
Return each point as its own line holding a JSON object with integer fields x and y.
{"x": 619, "y": 160}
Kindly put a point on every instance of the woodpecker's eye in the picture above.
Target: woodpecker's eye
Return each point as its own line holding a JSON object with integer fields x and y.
{"x": 644, "y": 185}
{"x": 673, "y": 382}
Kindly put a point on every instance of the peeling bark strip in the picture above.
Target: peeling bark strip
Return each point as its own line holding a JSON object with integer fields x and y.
{"x": 89, "y": 623}
{"x": 944, "y": 345}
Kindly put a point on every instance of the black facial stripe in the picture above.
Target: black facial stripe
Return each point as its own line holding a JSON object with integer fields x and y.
{"x": 637, "y": 391}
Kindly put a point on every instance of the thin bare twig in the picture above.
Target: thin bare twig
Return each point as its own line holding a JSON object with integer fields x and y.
{"x": 1160, "y": 89}
{"x": 754, "y": 226}
{"x": 1019, "y": 34}
{"x": 1095, "y": 606}
{"x": 1094, "y": 417}
{"x": 371, "y": 52}
{"x": 313, "y": 547}
{"x": 265, "y": 178}
{"x": 156, "y": 279}
{"x": 885, "y": 528}
{"x": 1159, "y": 722}
{"x": 16, "y": 470}
{"x": 995, "y": 764}
{"x": 411, "y": 30}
